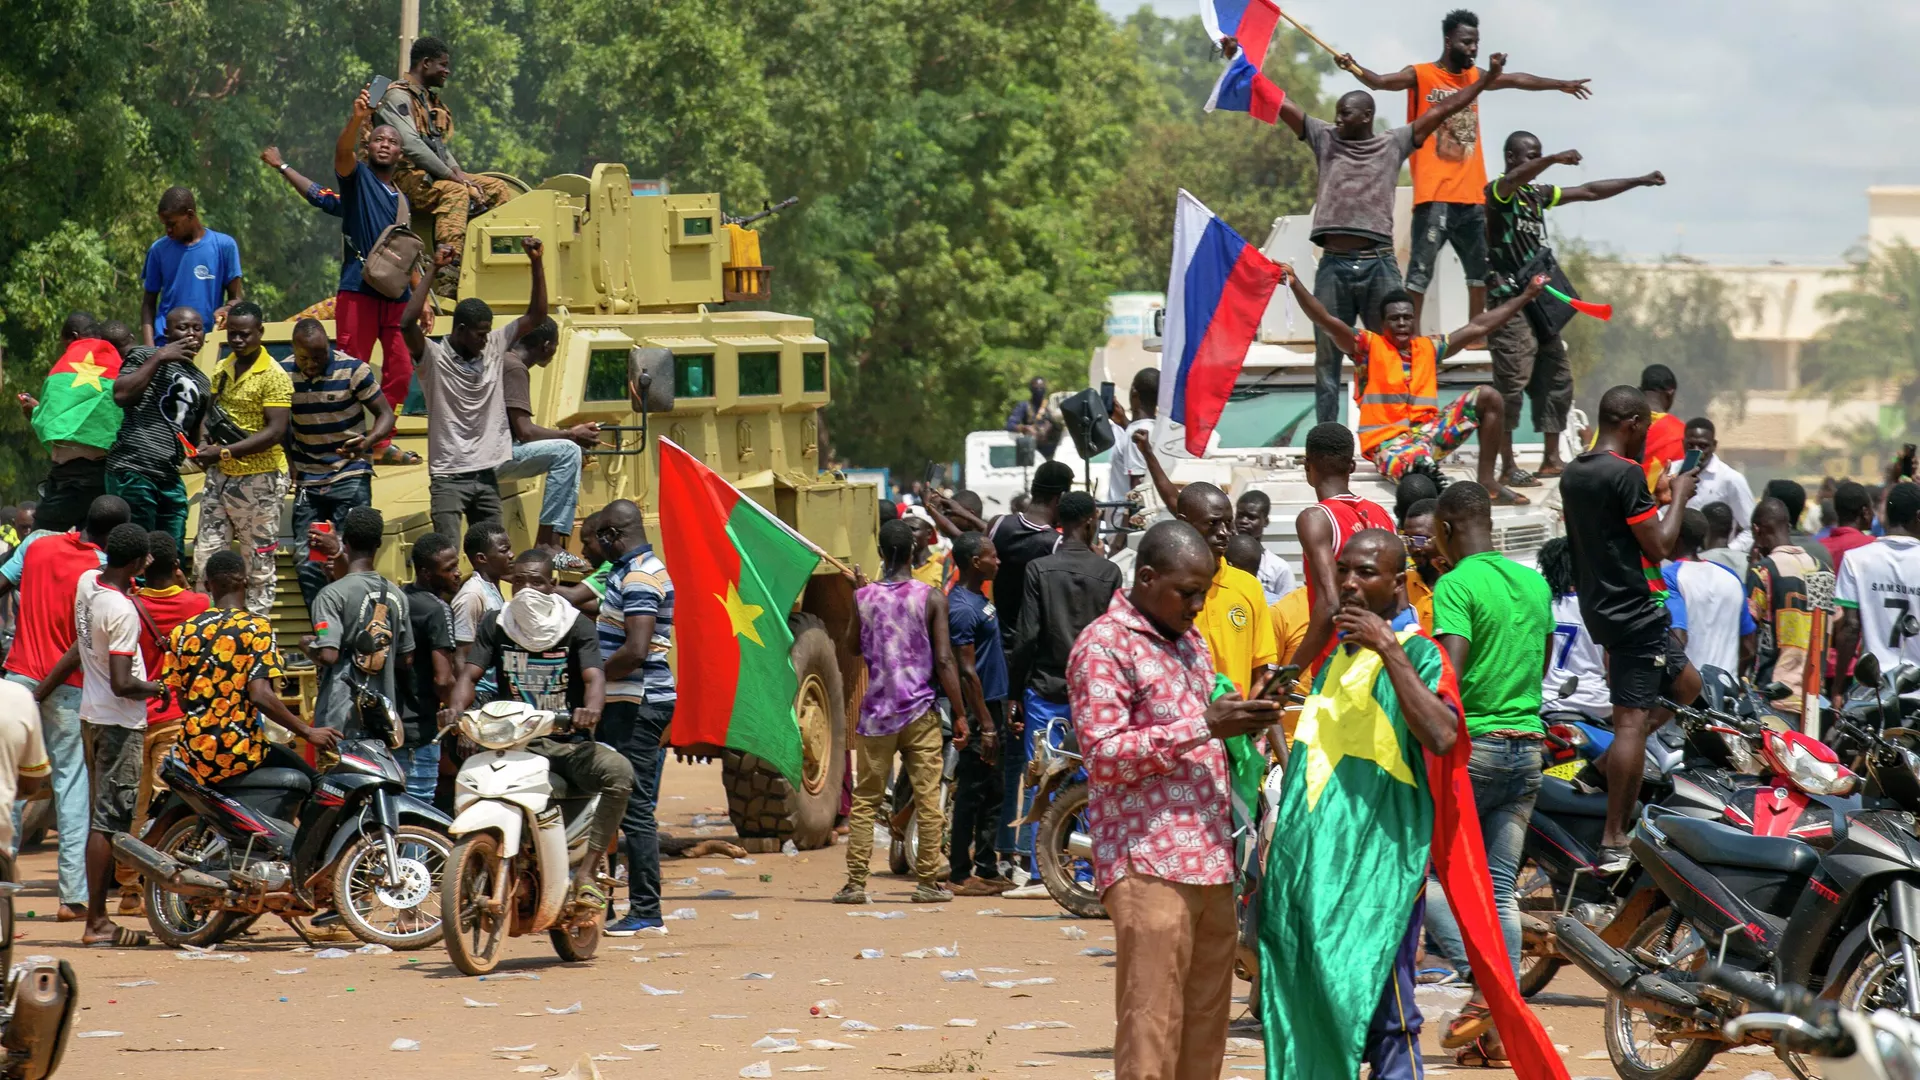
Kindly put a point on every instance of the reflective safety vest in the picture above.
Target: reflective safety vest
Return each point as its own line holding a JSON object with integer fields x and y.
{"x": 1392, "y": 400}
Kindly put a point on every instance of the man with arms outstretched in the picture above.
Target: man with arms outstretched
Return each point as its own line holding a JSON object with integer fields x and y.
{"x": 1353, "y": 212}
{"x": 1396, "y": 385}
{"x": 1449, "y": 171}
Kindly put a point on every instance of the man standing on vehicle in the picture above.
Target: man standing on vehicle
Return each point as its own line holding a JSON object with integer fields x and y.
{"x": 543, "y": 451}
{"x": 1125, "y": 468}
{"x": 1619, "y": 538}
{"x": 165, "y": 397}
{"x": 332, "y": 394}
{"x": 1031, "y": 419}
{"x": 1324, "y": 528}
{"x": 543, "y": 652}
{"x": 1353, "y": 212}
{"x": 429, "y": 175}
{"x": 1449, "y": 171}
{"x": 190, "y": 266}
{"x": 468, "y": 437}
{"x": 1140, "y": 680}
{"x": 360, "y": 624}
{"x": 246, "y": 467}
{"x": 903, "y": 635}
{"x": 636, "y": 632}
{"x": 1879, "y": 588}
{"x": 1493, "y": 617}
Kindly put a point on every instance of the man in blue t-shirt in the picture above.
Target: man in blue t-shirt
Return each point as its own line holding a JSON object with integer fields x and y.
{"x": 973, "y": 626}
{"x": 191, "y": 266}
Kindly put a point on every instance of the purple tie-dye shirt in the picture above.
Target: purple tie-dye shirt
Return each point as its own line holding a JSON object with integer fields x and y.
{"x": 893, "y": 637}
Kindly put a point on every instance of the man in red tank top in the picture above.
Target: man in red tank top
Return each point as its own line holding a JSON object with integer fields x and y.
{"x": 1324, "y": 527}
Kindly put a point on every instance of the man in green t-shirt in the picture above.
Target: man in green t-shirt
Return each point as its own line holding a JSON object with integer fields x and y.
{"x": 1493, "y": 617}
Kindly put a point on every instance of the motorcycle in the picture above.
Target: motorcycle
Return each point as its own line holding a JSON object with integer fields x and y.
{"x": 1846, "y": 1044}
{"x": 1062, "y": 849}
{"x": 518, "y": 833}
{"x": 228, "y": 852}
{"x": 37, "y": 1002}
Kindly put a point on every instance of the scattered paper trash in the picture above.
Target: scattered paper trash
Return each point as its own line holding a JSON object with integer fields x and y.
{"x": 609, "y": 1057}
{"x": 99, "y": 1034}
{"x": 789, "y": 849}
{"x": 857, "y": 1025}
{"x": 989, "y": 911}
{"x": 331, "y": 954}
{"x": 1038, "y": 1025}
{"x": 568, "y": 1011}
{"x": 758, "y": 1068}
{"x": 963, "y": 975}
{"x": 945, "y": 952}
{"x": 873, "y": 954}
{"x": 745, "y": 916}
{"x": 826, "y": 1044}
{"x": 514, "y": 1049}
{"x": 1001, "y": 971}
{"x": 1097, "y": 951}
{"x": 680, "y": 913}
{"x": 757, "y": 976}
{"x": 472, "y": 1004}
{"x": 716, "y": 894}
{"x": 772, "y": 1043}
{"x": 712, "y": 871}
{"x": 208, "y": 954}
{"x": 962, "y": 1022}
{"x": 744, "y": 862}
{"x": 726, "y": 1016}
{"x": 534, "y": 1069}
{"x": 824, "y": 1007}
{"x": 137, "y": 982}
{"x": 373, "y": 948}
{"x": 1073, "y": 933}
{"x": 1036, "y": 1064}
{"x": 805, "y": 1068}
{"x": 911, "y": 1027}
{"x": 405, "y": 1046}
{"x": 639, "y": 1048}
{"x": 1009, "y": 984}
{"x": 685, "y": 881}
{"x": 511, "y": 975}
{"x": 667, "y": 955}
{"x": 289, "y": 971}
{"x": 783, "y": 1031}
{"x": 876, "y": 914}
{"x": 1237, "y": 1045}
{"x": 654, "y": 991}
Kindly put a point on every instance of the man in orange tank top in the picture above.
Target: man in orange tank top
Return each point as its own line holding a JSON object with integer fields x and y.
{"x": 1449, "y": 174}
{"x": 1403, "y": 426}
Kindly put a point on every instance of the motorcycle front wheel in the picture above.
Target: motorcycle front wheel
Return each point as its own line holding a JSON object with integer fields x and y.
{"x": 404, "y": 913}
{"x": 474, "y": 904}
{"x": 1639, "y": 1042}
{"x": 580, "y": 938}
{"x": 1068, "y": 877}
{"x": 1539, "y": 899}
{"x": 181, "y": 921}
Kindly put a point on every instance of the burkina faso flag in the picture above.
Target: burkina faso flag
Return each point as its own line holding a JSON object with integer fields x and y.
{"x": 736, "y": 571}
{"x": 76, "y": 401}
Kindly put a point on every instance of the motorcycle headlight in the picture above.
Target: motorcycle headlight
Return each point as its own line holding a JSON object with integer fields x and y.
{"x": 1740, "y": 752}
{"x": 491, "y": 732}
{"x": 1808, "y": 771}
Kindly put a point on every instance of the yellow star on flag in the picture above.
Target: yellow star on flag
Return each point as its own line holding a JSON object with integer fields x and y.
{"x": 741, "y": 614}
{"x": 1344, "y": 720}
{"x": 88, "y": 373}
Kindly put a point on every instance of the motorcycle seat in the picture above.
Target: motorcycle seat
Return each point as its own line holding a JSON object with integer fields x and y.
{"x": 1561, "y": 798}
{"x": 1723, "y": 845}
{"x": 267, "y": 777}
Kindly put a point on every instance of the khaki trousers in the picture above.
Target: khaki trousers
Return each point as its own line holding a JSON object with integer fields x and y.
{"x": 1174, "y": 990}
{"x": 449, "y": 201}
{"x": 920, "y": 743}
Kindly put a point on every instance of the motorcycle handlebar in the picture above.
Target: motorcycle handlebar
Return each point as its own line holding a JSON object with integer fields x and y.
{"x": 1806, "y": 1023}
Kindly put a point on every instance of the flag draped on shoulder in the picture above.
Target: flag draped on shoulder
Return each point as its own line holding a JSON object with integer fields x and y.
{"x": 1363, "y": 811}
{"x": 76, "y": 401}
{"x": 1217, "y": 289}
{"x": 1242, "y": 87}
{"x": 736, "y": 572}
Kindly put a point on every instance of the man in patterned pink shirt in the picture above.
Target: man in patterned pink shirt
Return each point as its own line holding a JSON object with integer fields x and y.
{"x": 1139, "y": 678}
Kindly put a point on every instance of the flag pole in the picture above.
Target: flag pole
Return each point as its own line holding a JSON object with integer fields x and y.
{"x": 1311, "y": 36}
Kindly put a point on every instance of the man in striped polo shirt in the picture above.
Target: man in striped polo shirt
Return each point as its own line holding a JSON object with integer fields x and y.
{"x": 636, "y": 630}
{"x": 332, "y": 394}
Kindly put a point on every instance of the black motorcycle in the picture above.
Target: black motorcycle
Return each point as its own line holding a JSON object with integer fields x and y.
{"x": 229, "y": 852}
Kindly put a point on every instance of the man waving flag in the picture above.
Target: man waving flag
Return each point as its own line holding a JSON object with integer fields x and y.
{"x": 1242, "y": 88}
{"x": 736, "y": 571}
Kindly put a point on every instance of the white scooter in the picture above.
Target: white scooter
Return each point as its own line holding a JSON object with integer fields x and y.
{"x": 518, "y": 834}
{"x": 1828, "y": 1041}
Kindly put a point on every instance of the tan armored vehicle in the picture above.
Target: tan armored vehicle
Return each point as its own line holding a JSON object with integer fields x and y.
{"x": 742, "y": 391}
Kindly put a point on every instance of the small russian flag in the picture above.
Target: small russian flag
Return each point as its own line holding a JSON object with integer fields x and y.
{"x": 1217, "y": 288}
{"x": 1242, "y": 88}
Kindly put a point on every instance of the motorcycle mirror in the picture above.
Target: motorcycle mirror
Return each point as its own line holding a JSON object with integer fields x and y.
{"x": 1572, "y": 684}
{"x": 1907, "y": 678}
{"x": 1776, "y": 691}
{"x": 1866, "y": 670}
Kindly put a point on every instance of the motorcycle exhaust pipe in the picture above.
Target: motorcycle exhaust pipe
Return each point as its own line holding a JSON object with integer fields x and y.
{"x": 42, "y": 1020}
{"x": 1080, "y": 846}
{"x": 164, "y": 870}
{"x": 1620, "y": 974}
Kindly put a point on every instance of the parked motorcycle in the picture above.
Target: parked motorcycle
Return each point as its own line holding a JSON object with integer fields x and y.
{"x": 518, "y": 833}
{"x": 1843, "y": 1044}
{"x": 37, "y": 1003}
{"x": 1062, "y": 848}
{"x": 231, "y": 851}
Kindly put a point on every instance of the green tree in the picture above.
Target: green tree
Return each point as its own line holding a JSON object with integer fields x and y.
{"x": 1873, "y": 338}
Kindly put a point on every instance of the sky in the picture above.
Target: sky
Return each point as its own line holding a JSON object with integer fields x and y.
{"x": 1770, "y": 118}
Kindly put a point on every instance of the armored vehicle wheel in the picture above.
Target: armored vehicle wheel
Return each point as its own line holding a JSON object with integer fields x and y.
{"x": 765, "y": 808}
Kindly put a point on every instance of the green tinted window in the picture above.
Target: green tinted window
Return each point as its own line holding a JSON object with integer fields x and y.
{"x": 1001, "y": 457}
{"x": 504, "y": 245}
{"x": 813, "y": 372}
{"x": 759, "y": 373}
{"x": 607, "y": 375}
{"x": 693, "y": 375}
{"x": 698, "y": 226}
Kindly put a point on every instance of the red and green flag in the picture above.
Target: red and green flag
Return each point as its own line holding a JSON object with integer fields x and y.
{"x": 736, "y": 572}
{"x": 1363, "y": 811}
{"x": 76, "y": 401}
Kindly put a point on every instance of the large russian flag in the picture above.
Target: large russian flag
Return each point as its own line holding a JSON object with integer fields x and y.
{"x": 1217, "y": 289}
{"x": 1242, "y": 88}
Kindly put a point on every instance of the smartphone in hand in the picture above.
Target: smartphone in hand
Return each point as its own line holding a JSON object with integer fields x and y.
{"x": 1281, "y": 684}
{"x": 1691, "y": 461}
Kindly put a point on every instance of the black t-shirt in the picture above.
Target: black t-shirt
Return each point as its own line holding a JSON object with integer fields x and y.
{"x": 1622, "y": 595}
{"x": 1516, "y": 230}
{"x": 171, "y": 406}
{"x": 420, "y": 700}
{"x": 543, "y": 678}
{"x": 1018, "y": 542}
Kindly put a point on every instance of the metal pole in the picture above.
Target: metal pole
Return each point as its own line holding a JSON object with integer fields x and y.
{"x": 409, "y": 32}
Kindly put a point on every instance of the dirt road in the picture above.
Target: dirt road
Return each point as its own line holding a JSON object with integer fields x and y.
{"x": 339, "y": 1017}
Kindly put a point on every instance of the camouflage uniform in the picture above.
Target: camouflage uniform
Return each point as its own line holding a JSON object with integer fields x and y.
{"x": 427, "y": 167}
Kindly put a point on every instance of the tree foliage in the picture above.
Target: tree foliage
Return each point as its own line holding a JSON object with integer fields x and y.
{"x": 975, "y": 175}
{"x": 1874, "y": 336}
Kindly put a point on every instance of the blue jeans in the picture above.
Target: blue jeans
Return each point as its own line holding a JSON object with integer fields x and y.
{"x": 329, "y": 504}
{"x": 1506, "y": 782}
{"x": 422, "y": 766}
{"x": 60, "y": 727}
{"x": 559, "y": 461}
{"x": 639, "y": 733}
{"x": 1017, "y": 799}
{"x": 1350, "y": 284}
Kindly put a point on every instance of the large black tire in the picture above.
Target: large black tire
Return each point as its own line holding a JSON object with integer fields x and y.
{"x": 1056, "y": 865}
{"x": 179, "y": 921}
{"x": 473, "y": 936}
{"x": 577, "y": 943}
{"x": 360, "y": 898}
{"x": 767, "y": 810}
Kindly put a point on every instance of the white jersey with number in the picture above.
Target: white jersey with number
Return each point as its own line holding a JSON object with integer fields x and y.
{"x": 1574, "y": 653}
{"x": 1881, "y": 581}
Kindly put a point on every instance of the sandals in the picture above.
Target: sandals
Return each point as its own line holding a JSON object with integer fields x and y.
{"x": 123, "y": 938}
{"x": 393, "y": 455}
{"x": 590, "y": 897}
{"x": 1519, "y": 477}
{"x": 1481, "y": 1054}
{"x": 1475, "y": 1020}
{"x": 1506, "y": 496}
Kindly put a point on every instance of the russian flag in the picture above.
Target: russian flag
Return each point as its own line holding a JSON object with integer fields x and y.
{"x": 1217, "y": 289}
{"x": 1242, "y": 88}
